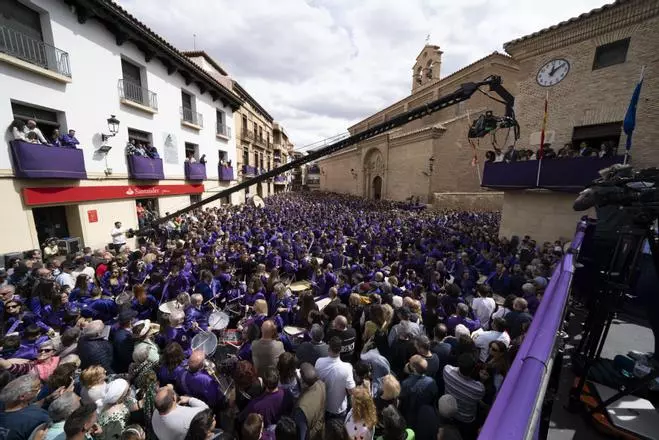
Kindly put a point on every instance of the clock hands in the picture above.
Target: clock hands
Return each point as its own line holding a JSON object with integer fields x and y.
{"x": 555, "y": 68}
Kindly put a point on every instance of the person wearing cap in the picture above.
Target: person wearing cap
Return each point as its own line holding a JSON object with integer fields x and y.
{"x": 143, "y": 334}
{"x": 122, "y": 341}
{"x": 115, "y": 408}
{"x": 93, "y": 349}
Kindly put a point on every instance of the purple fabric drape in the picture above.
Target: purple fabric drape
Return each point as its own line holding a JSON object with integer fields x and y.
{"x": 249, "y": 170}
{"x": 145, "y": 168}
{"x": 570, "y": 175}
{"x": 36, "y": 161}
{"x": 225, "y": 173}
{"x": 513, "y": 409}
{"x": 195, "y": 171}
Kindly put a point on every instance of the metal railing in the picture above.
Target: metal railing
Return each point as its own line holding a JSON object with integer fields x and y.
{"x": 34, "y": 51}
{"x": 191, "y": 116}
{"x": 223, "y": 130}
{"x": 247, "y": 134}
{"x": 131, "y": 91}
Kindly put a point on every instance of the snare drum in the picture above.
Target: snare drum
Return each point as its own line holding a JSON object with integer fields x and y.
{"x": 300, "y": 286}
{"x": 218, "y": 321}
{"x": 322, "y": 303}
{"x": 295, "y": 335}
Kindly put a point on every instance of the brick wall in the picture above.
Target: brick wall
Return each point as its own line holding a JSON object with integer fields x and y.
{"x": 475, "y": 202}
{"x": 589, "y": 96}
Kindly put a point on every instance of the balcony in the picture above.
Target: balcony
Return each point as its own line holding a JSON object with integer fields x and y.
{"x": 314, "y": 169}
{"x": 144, "y": 168}
{"x": 249, "y": 171}
{"x": 280, "y": 180}
{"x": 134, "y": 95}
{"x": 260, "y": 140}
{"x": 249, "y": 135}
{"x": 567, "y": 175}
{"x": 36, "y": 161}
{"x": 191, "y": 119}
{"x": 195, "y": 171}
{"x": 34, "y": 55}
{"x": 225, "y": 173}
{"x": 222, "y": 131}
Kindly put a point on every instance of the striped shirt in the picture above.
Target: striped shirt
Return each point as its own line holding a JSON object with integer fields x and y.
{"x": 467, "y": 393}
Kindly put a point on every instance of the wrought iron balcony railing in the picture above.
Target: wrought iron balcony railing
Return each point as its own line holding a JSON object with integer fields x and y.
{"x": 131, "y": 91}
{"x": 192, "y": 117}
{"x": 34, "y": 51}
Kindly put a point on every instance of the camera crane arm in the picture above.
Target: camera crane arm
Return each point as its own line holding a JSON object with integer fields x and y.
{"x": 462, "y": 94}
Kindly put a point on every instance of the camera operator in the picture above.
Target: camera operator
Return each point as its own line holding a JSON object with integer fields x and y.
{"x": 118, "y": 237}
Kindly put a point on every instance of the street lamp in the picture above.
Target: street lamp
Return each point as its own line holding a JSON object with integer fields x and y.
{"x": 113, "y": 126}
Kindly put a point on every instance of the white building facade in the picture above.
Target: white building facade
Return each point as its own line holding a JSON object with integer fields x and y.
{"x": 75, "y": 64}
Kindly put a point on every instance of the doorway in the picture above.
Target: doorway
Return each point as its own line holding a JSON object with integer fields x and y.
{"x": 259, "y": 189}
{"x": 147, "y": 211}
{"x": 50, "y": 222}
{"x": 377, "y": 187}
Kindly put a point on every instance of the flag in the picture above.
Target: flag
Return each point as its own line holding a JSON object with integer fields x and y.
{"x": 544, "y": 125}
{"x": 629, "y": 123}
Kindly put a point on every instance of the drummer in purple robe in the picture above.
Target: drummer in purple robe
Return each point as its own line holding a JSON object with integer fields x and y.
{"x": 195, "y": 316}
{"x": 99, "y": 307}
{"x": 144, "y": 304}
{"x": 204, "y": 287}
{"x": 175, "y": 284}
{"x": 195, "y": 381}
{"x": 176, "y": 332}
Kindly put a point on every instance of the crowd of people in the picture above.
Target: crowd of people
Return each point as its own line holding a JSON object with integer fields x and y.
{"x": 143, "y": 149}
{"x": 29, "y": 132}
{"x": 406, "y": 329}
{"x": 513, "y": 154}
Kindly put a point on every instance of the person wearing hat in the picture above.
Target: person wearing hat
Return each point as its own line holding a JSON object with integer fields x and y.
{"x": 93, "y": 349}
{"x": 122, "y": 341}
{"x": 115, "y": 408}
{"x": 143, "y": 333}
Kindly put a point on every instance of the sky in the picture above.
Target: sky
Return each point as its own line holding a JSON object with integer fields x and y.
{"x": 320, "y": 66}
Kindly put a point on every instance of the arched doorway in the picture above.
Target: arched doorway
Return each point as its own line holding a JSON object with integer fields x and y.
{"x": 377, "y": 187}
{"x": 259, "y": 189}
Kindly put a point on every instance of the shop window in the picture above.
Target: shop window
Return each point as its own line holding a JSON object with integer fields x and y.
{"x": 611, "y": 54}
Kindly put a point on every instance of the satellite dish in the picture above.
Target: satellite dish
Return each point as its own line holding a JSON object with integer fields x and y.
{"x": 256, "y": 201}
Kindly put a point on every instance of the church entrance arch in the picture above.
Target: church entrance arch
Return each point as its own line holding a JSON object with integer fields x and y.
{"x": 374, "y": 174}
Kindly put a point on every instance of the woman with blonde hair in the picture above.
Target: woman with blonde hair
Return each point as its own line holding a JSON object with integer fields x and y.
{"x": 93, "y": 384}
{"x": 362, "y": 418}
{"x": 388, "y": 393}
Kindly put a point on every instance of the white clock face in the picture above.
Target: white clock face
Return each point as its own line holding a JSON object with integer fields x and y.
{"x": 553, "y": 72}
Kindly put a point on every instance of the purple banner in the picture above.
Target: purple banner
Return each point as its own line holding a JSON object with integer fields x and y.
{"x": 249, "y": 170}
{"x": 512, "y": 415}
{"x": 36, "y": 161}
{"x": 225, "y": 173}
{"x": 569, "y": 174}
{"x": 195, "y": 171}
{"x": 280, "y": 179}
{"x": 145, "y": 168}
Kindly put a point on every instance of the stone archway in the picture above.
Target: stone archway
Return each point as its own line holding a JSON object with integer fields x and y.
{"x": 374, "y": 168}
{"x": 377, "y": 188}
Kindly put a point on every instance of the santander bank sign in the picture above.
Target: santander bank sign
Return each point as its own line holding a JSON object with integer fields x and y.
{"x": 75, "y": 194}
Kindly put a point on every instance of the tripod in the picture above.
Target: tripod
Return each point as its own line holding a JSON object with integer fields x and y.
{"x": 614, "y": 285}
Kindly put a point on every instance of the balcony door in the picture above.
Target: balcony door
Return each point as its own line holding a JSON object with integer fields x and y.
{"x": 377, "y": 187}
{"x": 20, "y": 32}
{"x": 132, "y": 75}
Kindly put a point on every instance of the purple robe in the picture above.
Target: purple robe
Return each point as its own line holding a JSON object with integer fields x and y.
{"x": 202, "y": 386}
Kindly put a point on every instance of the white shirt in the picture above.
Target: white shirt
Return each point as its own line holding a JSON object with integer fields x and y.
{"x": 337, "y": 376}
{"x": 89, "y": 271}
{"x": 118, "y": 236}
{"x": 175, "y": 424}
{"x": 501, "y": 313}
{"x": 483, "y": 308}
{"x": 65, "y": 279}
{"x": 483, "y": 338}
{"x": 36, "y": 131}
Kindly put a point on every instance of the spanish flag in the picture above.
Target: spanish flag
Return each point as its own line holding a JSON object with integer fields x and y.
{"x": 544, "y": 126}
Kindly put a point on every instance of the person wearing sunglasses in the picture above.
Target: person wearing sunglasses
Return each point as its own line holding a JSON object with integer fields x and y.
{"x": 43, "y": 366}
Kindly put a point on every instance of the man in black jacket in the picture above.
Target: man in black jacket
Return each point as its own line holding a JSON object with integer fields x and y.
{"x": 93, "y": 349}
{"x": 122, "y": 342}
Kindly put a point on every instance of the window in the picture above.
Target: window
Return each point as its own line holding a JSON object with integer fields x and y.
{"x": 139, "y": 137}
{"x": 256, "y": 158}
{"x": 245, "y": 127}
{"x": 261, "y": 161}
{"x": 597, "y": 137}
{"x": 191, "y": 149}
{"x": 245, "y": 156}
{"x": 47, "y": 120}
{"x": 219, "y": 115}
{"x": 186, "y": 100}
{"x": 256, "y": 129}
{"x": 19, "y": 17}
{"x": 610, "y": 54}
{"x": 132, "y": 82}
{"x": 223, "y": 156}
{"x": 261, "y": 133}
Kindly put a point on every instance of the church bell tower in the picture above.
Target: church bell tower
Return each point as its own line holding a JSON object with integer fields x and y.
{"x": 426, "y": 68}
